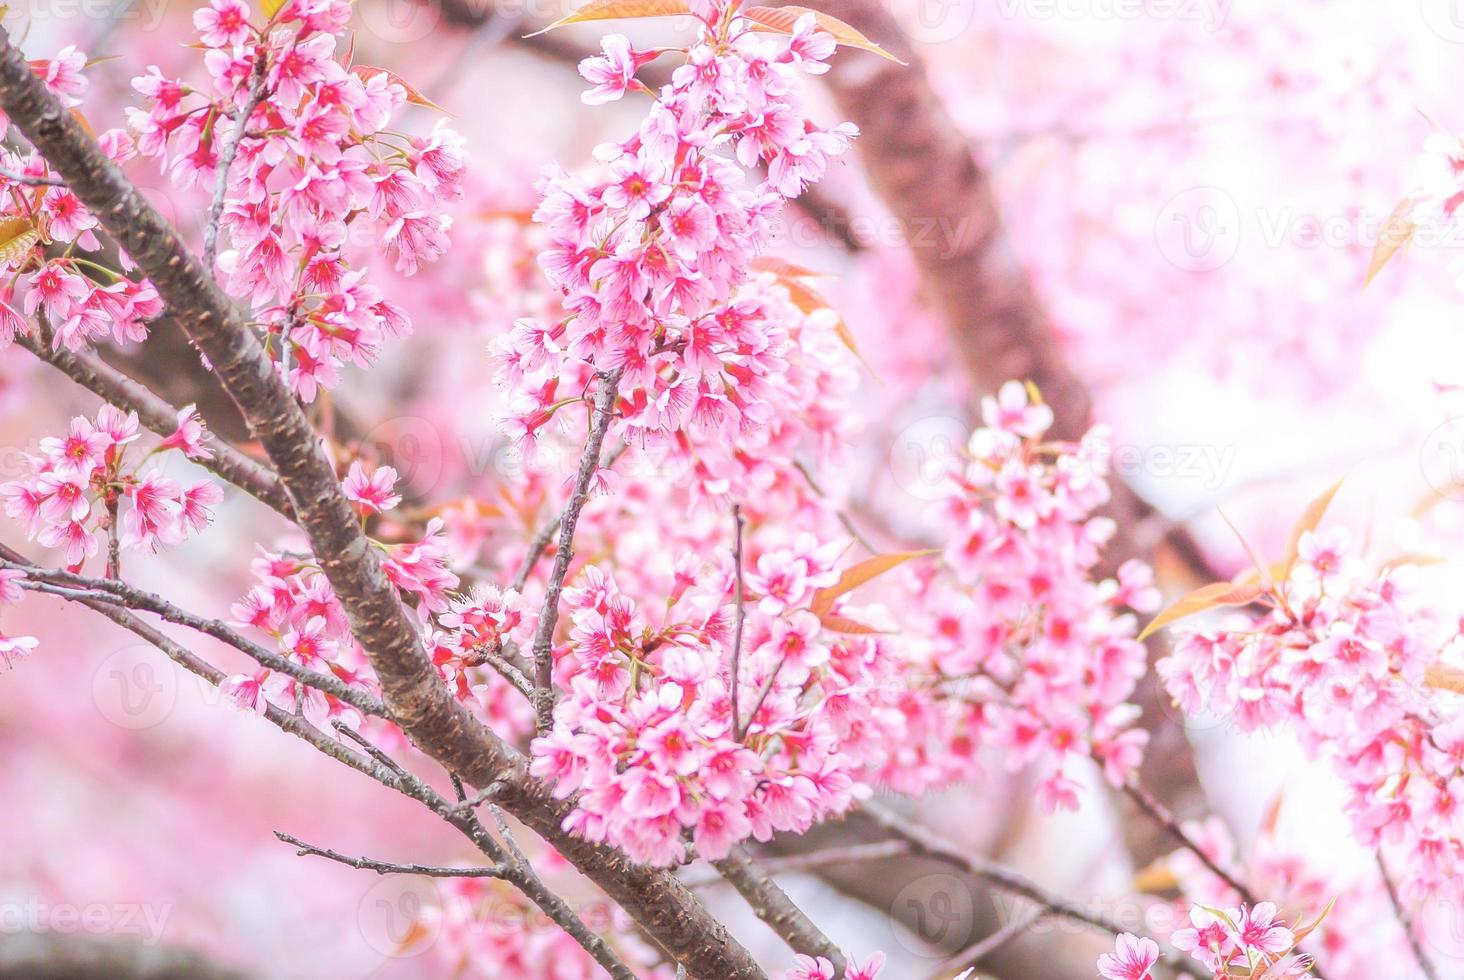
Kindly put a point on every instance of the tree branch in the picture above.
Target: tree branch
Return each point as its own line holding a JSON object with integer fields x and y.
{"x": 773, "y": 906}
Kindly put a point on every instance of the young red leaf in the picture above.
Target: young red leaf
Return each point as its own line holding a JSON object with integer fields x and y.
{"x": 1201, "y": 599}
{"x": 783, "y": 19}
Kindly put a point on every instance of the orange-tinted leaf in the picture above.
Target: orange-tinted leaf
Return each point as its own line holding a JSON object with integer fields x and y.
{"x": 856, "y": 575}
{"x": 783, "y": 19}
{"x": 85, "y": 123}
{"x": 1418, "y": 560}
{"x": 1307, "y": 930}
{"x": 1445, "y": 678}
{"x": 619, "y": 10}
{"x": 784, "y": 269}
{"x": 1262, "y": 567}
{"x": 1206, "y": 597}
{"x": 1397, "y": 232}
{"x": 519, "y": 215}
{"x": 366, "y": 73}
{"x": 1310, "y": 520}
{"x": 1276, "y": 570}
{"x": 809, "y": 300}
{"x": 1157, "y": 877}
{"x": 843, "y": 624}
{"x": 17, "y": 236}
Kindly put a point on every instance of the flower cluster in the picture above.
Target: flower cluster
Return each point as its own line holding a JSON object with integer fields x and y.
{"x": 652, "y": 254}
{"x": 86, "y": 484}
{"x": 477, "y": 630}
{"x": 1230, "y": 943}
{"x": 315, "y": 170}
{"x": 81, "y": 298}
{"x": 1030, "y": 654}
{"x": 653, "y": 741}
{"x": 1341, "y": 659}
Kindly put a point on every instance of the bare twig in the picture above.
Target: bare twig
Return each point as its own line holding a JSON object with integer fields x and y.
{"x": 739, "y": 731}
{"x": 387, "y": 868}
{"x": 813, "y": 860}
{"x": 973, "y": 955}
{"x": 65, "y": 584}
{"x": 545, "y": 534}
{"x": 925, "y": 841}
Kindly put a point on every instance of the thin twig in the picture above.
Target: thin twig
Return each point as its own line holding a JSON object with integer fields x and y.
{"x": 601, "y": 416}
{"x": 1160, "y": 814}
{"x": 812, "y": 861}
{"x": 545, "y": 534}
{"x": 736, "y": 665}
{"x": 739, "y": 732}
{"x": 387, "y": 868}
{"x": 973, "y": 955}
{"x": 227, "y": 152}
{"x": 1406, "y": 921}
{"x": 926, "y": 842}
{"x": 30, "y": 181}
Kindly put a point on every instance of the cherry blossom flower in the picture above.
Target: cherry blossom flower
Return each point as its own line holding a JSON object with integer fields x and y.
{"x": 371, "y": 493}
{"x": 1132, "y": 959}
